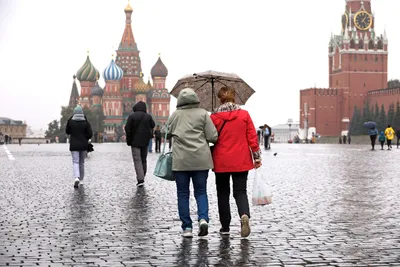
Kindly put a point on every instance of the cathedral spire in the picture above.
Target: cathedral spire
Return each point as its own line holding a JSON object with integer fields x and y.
{"x": 74, "y": 98}
{"x": 128, "y": 40}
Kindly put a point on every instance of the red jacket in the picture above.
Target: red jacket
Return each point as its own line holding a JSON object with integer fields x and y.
{"x": 236, "y": 142}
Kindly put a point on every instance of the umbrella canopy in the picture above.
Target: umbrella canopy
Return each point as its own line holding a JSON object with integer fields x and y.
{"x": 370, "y": 125}
{"x": 207, "y": 84}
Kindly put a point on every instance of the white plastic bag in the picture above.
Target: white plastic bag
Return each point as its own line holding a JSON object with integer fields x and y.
{"x": 261, "y": 193}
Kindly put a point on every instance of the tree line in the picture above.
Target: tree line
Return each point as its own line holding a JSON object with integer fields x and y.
{"x": 376, "y": 114}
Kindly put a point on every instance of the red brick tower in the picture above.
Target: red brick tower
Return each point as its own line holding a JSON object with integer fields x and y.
{"x": 128, "y": 55}
{"x": 357, "y": 58}
{"x": 160, "y": 98}
{"x": 112, "y": 99}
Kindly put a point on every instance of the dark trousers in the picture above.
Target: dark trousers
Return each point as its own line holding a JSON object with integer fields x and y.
{"x": 398, "y": 140}
{"x": 170, "y": 143}
{"x": 382, "y": 144}
{"x": 239, "y": 193}
{"x": 158, "y": 144}
{"x": 389, "y": 143}
{"x": 373, "y": 140}
{"x": 266, "y": 142}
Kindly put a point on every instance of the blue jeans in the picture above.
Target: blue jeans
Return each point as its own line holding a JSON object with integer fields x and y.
{"x": 199, "y": 179}
{"x": 151, "y": 145}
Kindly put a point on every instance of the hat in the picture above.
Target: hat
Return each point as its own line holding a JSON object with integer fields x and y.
{"x": 78, "y": 110}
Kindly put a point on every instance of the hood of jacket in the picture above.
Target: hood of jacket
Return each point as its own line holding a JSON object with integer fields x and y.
{"x": 228, "y": 111}
{"x": 188, "y": 99}
{"x": 382, "y": 133}
{"x": 228, "y": 115}
{"x": 140, "y": 106}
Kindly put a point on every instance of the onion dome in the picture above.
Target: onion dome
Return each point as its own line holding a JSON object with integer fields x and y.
{"x": 159, "y": 69}
{"x": 141, "y": 86}
{"x": 113, "y": 72}
{"x": 87, "y": 72}
{"x": 97, "y": 90}
{"x": 128, "y": 8}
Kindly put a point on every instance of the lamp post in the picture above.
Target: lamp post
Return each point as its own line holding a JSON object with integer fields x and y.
{"x": 289, "y": 122}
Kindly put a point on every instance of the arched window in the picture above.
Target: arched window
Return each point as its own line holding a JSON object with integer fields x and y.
{"x": 361, "y": 44}
{"x": 155, "y": 95}
{"x": 371, "y": 45}
{"x": 352, "y": 44}
{"x": 164, "y": 95}
{"x": 380, "y": 44}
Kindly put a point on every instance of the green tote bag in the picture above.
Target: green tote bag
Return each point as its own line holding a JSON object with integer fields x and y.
{"x": 164, "y": 163}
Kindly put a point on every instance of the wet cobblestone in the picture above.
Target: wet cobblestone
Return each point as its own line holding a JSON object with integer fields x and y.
{"x": 332, "y": 206}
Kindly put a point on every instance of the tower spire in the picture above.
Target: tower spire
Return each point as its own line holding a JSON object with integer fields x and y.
{"x": 128, "y": 40}
{"x": 74, "y": 97}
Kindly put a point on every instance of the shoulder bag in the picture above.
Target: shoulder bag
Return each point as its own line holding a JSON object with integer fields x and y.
{"x": 219, "y": 133}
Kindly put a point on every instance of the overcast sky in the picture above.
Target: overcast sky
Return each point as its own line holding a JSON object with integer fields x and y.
{"x": 277, "y": 47}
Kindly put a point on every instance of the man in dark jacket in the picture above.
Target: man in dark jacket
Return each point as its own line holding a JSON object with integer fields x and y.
{"x": 138, "y": 128}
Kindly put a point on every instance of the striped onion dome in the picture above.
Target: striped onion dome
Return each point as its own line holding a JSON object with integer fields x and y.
{"x": 113, "y": 72}
{"x": 87, "y": 72}
{"x": 97, "y": 90}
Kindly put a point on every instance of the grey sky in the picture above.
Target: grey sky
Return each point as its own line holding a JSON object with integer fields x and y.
{"x": 277, "y": 47}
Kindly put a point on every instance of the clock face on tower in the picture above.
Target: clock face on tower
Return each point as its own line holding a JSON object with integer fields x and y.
{"x": 363, "y": 20}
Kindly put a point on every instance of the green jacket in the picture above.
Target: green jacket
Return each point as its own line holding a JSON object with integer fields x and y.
{"x": 191, "y": 129}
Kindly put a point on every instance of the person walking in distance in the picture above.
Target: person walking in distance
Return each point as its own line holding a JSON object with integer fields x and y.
{"x": 232, "y": 157}
{"x": 158, "y": 136}
{"x": 398, "y": 137}
{"x": 191, "y": 130}
{"x": 382, "y": 139}
{"x": 138, "y": 129}
{"x": 151, "y": 142}
{"x": 389, "y": 133}
{"x": 267, "y": 135}
{"x": 80, "y": 131}
{"x": 373, "y": 133}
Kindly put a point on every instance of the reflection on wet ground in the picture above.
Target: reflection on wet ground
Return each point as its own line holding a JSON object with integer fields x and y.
{"x": 332, "y": 206}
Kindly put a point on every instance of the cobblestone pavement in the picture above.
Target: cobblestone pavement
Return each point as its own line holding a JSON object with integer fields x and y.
{"x": 332, "y": 206}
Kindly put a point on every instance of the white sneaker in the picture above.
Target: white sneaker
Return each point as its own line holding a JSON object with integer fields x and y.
{"x": 203, "y": 228}
{"x": 76, "y": 183}
{"x": 80, "y": 182}
{"x": 187, "y": 233}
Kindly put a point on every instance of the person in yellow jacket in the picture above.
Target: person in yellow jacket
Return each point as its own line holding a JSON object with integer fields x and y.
{"x": 390, "y": 134}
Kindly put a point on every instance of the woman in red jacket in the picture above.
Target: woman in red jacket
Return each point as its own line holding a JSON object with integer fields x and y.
{"x": 233, "y": 155}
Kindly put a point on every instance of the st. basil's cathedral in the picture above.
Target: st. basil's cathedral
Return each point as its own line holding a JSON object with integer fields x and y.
{"x": 124, "y": 85}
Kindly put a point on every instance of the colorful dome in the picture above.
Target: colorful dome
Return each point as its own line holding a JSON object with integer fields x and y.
{"x": 87, "y": 72}
{"x": 113, "y": 72}
{"x": 141, "y": 87}
{"x": 159, "y": 69}
{"x": 97, "y": 90}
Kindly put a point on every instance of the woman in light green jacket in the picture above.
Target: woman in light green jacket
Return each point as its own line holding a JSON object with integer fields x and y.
{"x": 192, "y": 130}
